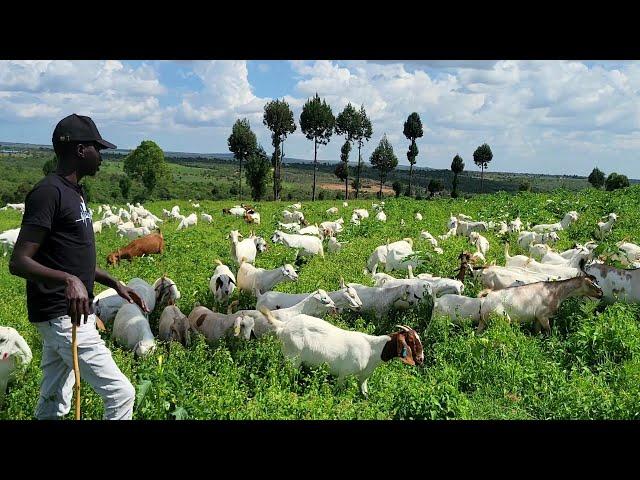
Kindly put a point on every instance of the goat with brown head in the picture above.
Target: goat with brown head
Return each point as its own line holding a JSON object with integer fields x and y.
{"x": 405, "y": 345}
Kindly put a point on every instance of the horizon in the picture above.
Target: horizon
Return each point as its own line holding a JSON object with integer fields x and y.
{"x": 539, "y": 117}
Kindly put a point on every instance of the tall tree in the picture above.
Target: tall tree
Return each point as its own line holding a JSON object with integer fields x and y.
{"x": 481, "y": 157}
{"x": 596, "y": 178}
{"x": 258, "y": 166}
{"x": 435, "y": 185}
{"x": 242, "y": 142}
{"x": 147, "y": 164}
{"x": 412, "y": 130}
{"x": 363, "y": 132}
{"x": 346, "y": 123}
{"x": 384, "y": 160}
{"x": 615, "y": 181}
{"x": 278, "y": 118}
{"x": 317, "y": 123}
{"x": 342, "y": 169}
{"x": 457, "y": 166}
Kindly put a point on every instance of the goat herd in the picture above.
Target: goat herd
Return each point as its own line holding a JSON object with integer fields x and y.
{"x": 526, "y": 289}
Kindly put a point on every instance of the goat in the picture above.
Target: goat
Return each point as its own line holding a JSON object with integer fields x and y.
{"x": 567, "y": 220}
{"x": 175, "y": 326}
{"x": 480, "y": 242}
{"x": 527, "y": 238}
{"x": 251, "y": 278}
{"x": 222, "y": 283}
{"x": 346, "y": 297}
{"x": 532, "y": 265}
{"x": 536, "y": 302}
{"x": 313, "y": 341}
{"x": 13, "y": 349}
{"x": 379, "y": 255}
{"x": 605, "y": 227}
{"x": 381, "y": 216}
{"x": 617, "y": 284}
{"x": 131, "y": 329}
{"x": 8, "y": 240}
{"x": 146, "y": 245}
{"x": 242, "y": 248}
{"x": 206, "y": 217}
{"x": 457, "y": 307}
{"x": 186, "y": 222}
{"x": 215, "y": 325}
{"x": 380, "y": 300}
{"x": 307, "y": 245}
{"x": 332, "y": 211}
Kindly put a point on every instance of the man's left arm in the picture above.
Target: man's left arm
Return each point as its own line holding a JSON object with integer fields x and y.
{"x": 125, "y": 292}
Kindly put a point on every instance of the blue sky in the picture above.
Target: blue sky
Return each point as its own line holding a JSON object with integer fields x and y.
{"x": 538, "y": 116}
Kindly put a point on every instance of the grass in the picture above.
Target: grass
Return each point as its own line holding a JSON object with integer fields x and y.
{"x": 589, "y": 368}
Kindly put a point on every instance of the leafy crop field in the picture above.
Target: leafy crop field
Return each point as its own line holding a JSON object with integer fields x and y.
{"x": 589, "y": 368}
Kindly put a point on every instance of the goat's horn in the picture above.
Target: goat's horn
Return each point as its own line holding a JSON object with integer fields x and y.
{"x": 404, "y": 328}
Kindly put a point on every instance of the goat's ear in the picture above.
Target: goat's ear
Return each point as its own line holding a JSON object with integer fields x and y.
{"x": 231, "y": 280}
{"x": 175, "y": 336}
{"x": 200, "y": 319}
{"x": 236, "y": 326}
{"x": 342, "y": 285}
{"x": 403, "y": 349}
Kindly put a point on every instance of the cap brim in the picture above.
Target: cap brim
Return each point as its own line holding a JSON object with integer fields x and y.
{"x": 106, "y": 144}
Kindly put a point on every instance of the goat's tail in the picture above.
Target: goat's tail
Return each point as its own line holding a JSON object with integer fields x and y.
{"x": 484, "y": 293}
{"x": 218, "y": 262}
{"x": 408, "y": 240}
{"x": 269, "y": 316}
{"x": 506, "y": 250}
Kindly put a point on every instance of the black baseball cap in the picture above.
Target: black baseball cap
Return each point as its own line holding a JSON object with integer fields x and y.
{"x": 78, "y": 128}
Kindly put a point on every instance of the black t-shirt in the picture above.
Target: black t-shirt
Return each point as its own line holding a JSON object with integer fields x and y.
{"x": 59, "y": 206}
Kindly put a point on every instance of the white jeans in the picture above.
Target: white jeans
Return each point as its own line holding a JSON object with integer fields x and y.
{"x": 97, "y": 368}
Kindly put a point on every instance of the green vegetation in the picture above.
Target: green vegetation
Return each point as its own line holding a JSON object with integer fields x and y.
{"x": 481, "y": 157}
{"x": 278, "y": 118}
{"x": 242, "y": 142}
{"x": 412, "y": 130}
{"x": 596, "y": 178}
{"x": 457, "y": 167}
{"x": 589, "y": 368}
{"x": 384, "y": 160}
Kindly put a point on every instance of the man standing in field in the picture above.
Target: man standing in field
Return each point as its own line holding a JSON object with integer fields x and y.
{"x": 56, "y": 254}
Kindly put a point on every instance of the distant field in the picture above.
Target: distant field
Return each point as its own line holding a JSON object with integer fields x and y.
{"x": 589, "y": 368}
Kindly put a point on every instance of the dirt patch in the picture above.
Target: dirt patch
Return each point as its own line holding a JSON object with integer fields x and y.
{"x": 365, "y": 188}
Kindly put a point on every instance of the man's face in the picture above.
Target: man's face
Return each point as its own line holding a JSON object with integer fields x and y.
{"x": 90, "y": 158}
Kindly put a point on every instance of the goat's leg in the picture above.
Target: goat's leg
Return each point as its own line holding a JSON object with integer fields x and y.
{"x": 364, "y": 388}
{"x": 544, "y": 322}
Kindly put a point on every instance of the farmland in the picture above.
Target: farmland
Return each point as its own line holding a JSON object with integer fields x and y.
{"x": 589, "y": 368}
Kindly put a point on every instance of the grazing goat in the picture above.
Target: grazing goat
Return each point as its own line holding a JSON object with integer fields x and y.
{"x": 307, "y": 245}
{"x": 222, "y": 283}
{"x": 215, "y": 325}
{"x": 251, "y": 278}
{"x": 527, "y": 238}
{"x": 313, "y": 341}
{"x": 381, "y": 216}
{"x": 380, "y": 300}
{"x": 186, "y": 222}
{"x": 346, "y": 297}
{"x": 131, "y": 329}
{"x": 457, "y": 307}
{"x": 242, "y": 248}
{"x": 175, "y": 326}
{"x": 13, "y": 349}
{"x": 536, "y": 302}
{"x": 515, "y": 225}
{"x": 147, "y": 245}
{"x": 332, "y": 211}
{"x": 334, "y": 245}
{"x": 562, "y": 271}
{"x": 568, "y": 219}
{"x": 480, "y": 242}
{"x": 379, "y": 255}
{"x": 617, "y": 284}
{"x": 206, "y": 217}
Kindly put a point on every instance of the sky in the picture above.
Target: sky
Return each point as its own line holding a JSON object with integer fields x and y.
{"x": 548, "y": 116}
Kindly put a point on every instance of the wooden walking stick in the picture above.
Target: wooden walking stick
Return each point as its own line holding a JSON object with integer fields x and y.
{"x": 76, "y": 368}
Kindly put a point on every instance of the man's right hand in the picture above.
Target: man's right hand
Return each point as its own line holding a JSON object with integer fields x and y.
{"x": 77, "y": 299}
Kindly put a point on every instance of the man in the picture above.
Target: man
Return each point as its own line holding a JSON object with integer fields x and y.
{"x": 55, "y": 252}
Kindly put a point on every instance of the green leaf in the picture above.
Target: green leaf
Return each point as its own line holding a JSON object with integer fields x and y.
{"x": 141, "y": 391}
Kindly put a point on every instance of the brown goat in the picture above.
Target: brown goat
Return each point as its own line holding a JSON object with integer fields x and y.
{"x": 153, "y": 243}
{"x": 464, "y": 258}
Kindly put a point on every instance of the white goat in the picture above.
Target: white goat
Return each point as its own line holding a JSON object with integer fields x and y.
{"x": 251, "y": 278}
{"x": 8, "y": 240}
{"x": 381, "y": 216}
{"x": 568, "y": 219}
{"x": 380, "y": 300}
{"x": 332, "y": 211}
{"x": 539, "y": 250}
{"x": 428, "y": 237}
{"x": 480, "y": 242}
{"x": 604, "y": 228}
{"x": 192, "y": 219}
{"x": 458, "y": 307}
{"x": 242, "y": 248}
{"x": 307, "y": 245}
{"x": 13, "y": 349}
{"x": 334, "y": 245}
{"x": 313, "y": 341}
{"x": 418, "y": 216}
{"x": 346, "y": 297}
{"x": 527, "y": 238}
{"x": 222, "y": 283}
{"x": 131, "y": 329}
{"x": 379, "y": 255}
{"x": 515, "y": 225}
{"x": 617, "y": 284}
{"x": 206, "y": 217}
